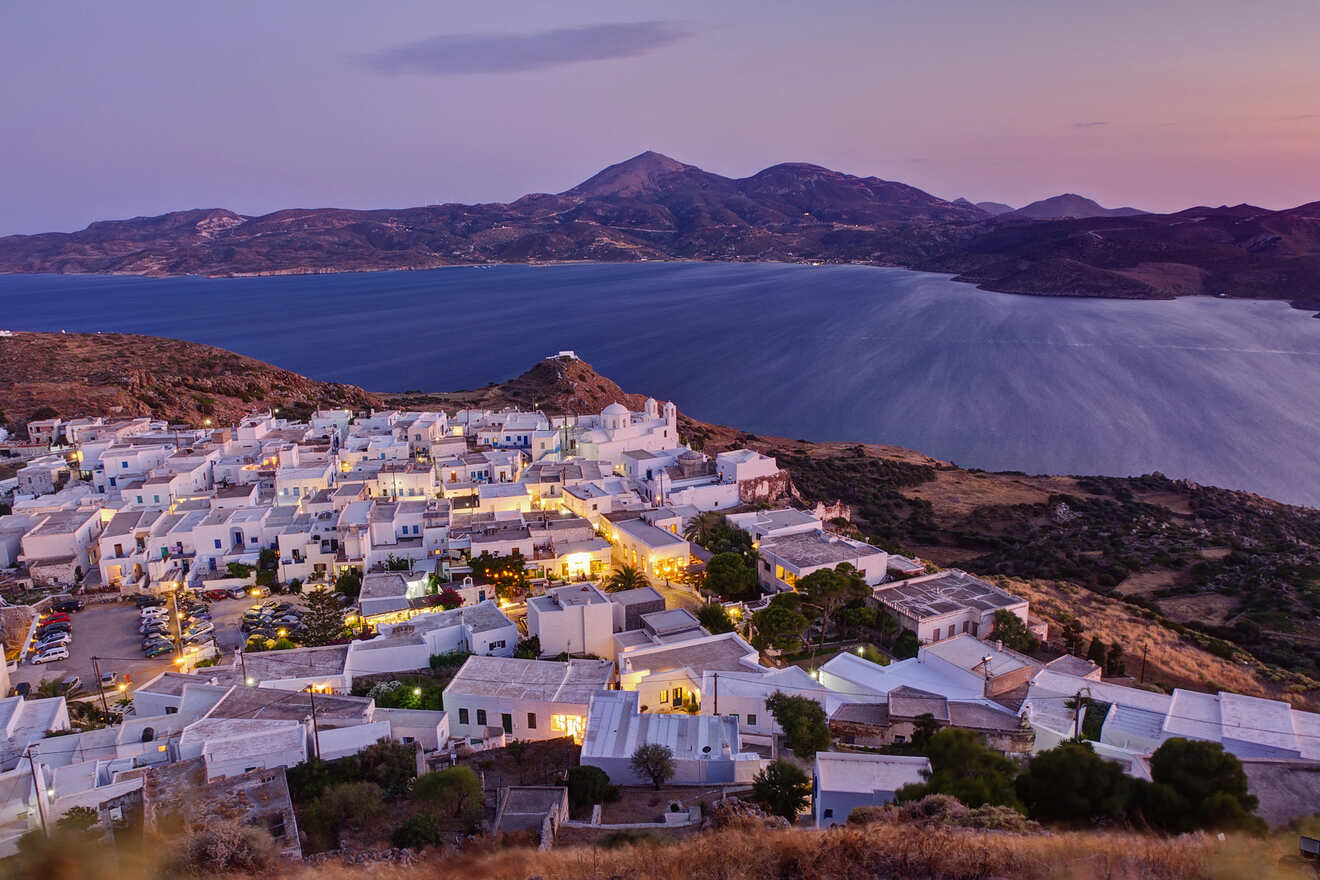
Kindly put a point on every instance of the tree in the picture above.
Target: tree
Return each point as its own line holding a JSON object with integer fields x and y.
{"x": 1073, "y": 637}
{"x": 349, "y": 583}
{"x": 906, "y": 645}
{"x": 1010, "y": 630}
{"x": 1114, "y": 665}
{"x": 923, "y": 729}
{"x": 517, "y": 750}
{"x": 805, "y": 725}
{"x": 1196, "y": 784}
{"x": 323, "y": 620}
{"x": 396, "y": 563}
{"x": 78, "y": 819}
{"x": 528, "y": 648}
{"x": 704, "y": 528}
{"x": 455, "y": 790}
{"x": 728, "y": 576}
{"x": 963, "y": 767}
{"x": 654, "y": 762}
{"x": 1098, "y": 652}
{"x": 418, "y": 832}
{"x": 828, "y": 590}
{"x": 450, "y": 599}
{"x": 344, "y": 805}
{"x": 1071, "y": 784}
{"x": 715, "y": 618}
{"x": 857, "y": 617}
{"x": 625, "y": 577}
{"x": 589, "y": 785}
{"x": 778, "y": 626}
{"x": 508, "y": 574}
{"x": 782, "y": 789}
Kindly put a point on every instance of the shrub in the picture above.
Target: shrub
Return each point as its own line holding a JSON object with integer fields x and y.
{"x": 590, "y": 785}
{"x": 630, "y": 837}
{"x": 456, "y": 791}
{"x": 79, "y": 818}
{"x": 418, "y": 832}
{"x": 782, "y": 789}
{"x": 223, "y": 848}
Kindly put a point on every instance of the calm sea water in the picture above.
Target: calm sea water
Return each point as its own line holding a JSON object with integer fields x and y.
{"x": 1222, "y": 392}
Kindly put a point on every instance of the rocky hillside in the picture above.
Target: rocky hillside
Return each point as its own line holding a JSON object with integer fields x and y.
{"x": 120, "y": 374}
{"x": 652, "y": 207}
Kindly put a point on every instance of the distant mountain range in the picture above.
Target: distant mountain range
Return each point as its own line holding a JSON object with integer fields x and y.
{"x": 652, "y": 207}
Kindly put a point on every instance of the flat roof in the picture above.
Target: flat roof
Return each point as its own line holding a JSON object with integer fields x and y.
{"x": 549, "y": 681}
{"x": 636, "y": 596}
{"x": 806, "y": 549}
{"x": 648, "y": 534}
{"x": 725, "y": 651}
{"x": 615, "y": 728}
{"x": 944, "y": 592}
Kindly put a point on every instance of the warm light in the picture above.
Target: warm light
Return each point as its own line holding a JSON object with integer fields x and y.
{"x": 417, "y": 692}
{"x": 122, "y": 688}
{"x": 251, "y": 681}
{"x": 284, "y": 632}
{"x": 179, "y": 661}
{"x": 573, "y": 725}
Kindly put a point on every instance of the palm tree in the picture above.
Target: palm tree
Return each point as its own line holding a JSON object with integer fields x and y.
{"x": 625, "y": 577}
{"x": 703, "y": 528}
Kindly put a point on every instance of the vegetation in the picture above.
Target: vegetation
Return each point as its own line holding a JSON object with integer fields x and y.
{"x": 1010, "y": 630}
{"x": 78, "y": 819}
{"x": 715, "y": 618}
{"x": 730, "y": 577}
{"x": 323, "y": 621}
{"x": 963, "y": 767}
{"x": 397, "y": 563}
{"x": 828, "y": 590}
{"x": 410, "y": 692}
{"x": 625, "y": 577}
{"x": 508, "y": 574}
{"x": 349, "y": 583}
{"x": 782, "y": 789}
{"x": 779, "y": 625}
{"x": 655, "y": 762}
{"x": 590, "y": 785}
{"x": 455, "y": 791}
{"x": 1071, "y": 785}
{"x": 528, "y": 648}
{"x": 906, "y": 645}
{"x": 804, "y": 722}
{"x": 418, "y": 831}
{"x": 392, "y": 766}
{"x": 342, "y": 806}
{"x": 223, "y": 847}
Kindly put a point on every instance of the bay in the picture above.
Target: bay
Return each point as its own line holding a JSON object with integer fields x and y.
{"x": 1224, "y": 392}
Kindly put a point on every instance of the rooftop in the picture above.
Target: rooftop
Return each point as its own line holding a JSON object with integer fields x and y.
{"x": 867, "y": 773}
{"x": 511, "y": 678}
{"x": 642, "y": 531}
{"x": 615, "y": 728}
{"x": 723, "y": 652}
{"x": 807, "y": 549}
{"x": 944, "y": 592}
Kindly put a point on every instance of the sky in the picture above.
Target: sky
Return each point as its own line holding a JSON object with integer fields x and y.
{"x": 132, "y": 108}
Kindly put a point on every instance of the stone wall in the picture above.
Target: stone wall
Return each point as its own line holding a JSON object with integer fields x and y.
{"x": 765, "y": 490}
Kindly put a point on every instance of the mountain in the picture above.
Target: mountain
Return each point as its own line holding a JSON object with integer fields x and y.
{"x": 995, "y": 208}
{"x": 654, "y": 207}
{"x": 1070, "y": 206}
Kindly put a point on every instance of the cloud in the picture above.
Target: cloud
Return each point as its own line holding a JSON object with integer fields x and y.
{"x": 1088, "y": 124}
{"x": 462, "y": 54}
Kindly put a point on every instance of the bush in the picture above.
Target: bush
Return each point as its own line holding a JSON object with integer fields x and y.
{"x": 223, "y": 848}
{"x": 418, "y": 832}
{"x": 79, "y": 818}
{"x": 590, "y": 785}
{"x": 630, "y": 837}
{"x": 456, "y": 791}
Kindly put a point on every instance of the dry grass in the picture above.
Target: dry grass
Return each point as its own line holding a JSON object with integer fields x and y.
{"x": 870, "y": 853}
{"x": 956, "y": 493}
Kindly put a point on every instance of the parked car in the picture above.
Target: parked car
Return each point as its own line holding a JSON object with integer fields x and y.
{"x": 22, "y": 689}
{"x": 52, "y": 641}
{"x": 67, "y": 605}
{"x": 216, "y": 595}
{"x": 237, "y": 592}
{"x": 157, "y": 650}
{"x": 70, "y": 684}
{"x": 201, "y": 629}
{"x": 55, "y": 618}
{"x": 53, "y": 628}
{"x": 109, "y": 678}
{"x": 51, "y": 656}
{"x": 148, "y": 601}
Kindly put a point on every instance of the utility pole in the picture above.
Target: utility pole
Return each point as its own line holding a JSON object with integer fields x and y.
{"x": 1144, "y": 648}
{"x": 316, "y": 732}
{"x": 242, "y": 662}
{"x": 41, "y": 792}
{"x": 100, "y": 684}
{"x": 717, "y": 693}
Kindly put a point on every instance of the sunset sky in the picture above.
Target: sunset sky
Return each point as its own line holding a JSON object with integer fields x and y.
{"x": 129, "y": 108}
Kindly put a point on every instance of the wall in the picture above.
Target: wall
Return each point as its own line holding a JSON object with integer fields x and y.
{"x": 765, "y": 489}
{"x": 517, "y": 709}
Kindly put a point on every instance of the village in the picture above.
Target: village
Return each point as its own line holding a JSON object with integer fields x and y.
{"x": 549, "y": 628}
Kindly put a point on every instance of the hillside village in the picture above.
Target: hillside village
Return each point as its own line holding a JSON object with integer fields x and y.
{"x": 435, "y": 590}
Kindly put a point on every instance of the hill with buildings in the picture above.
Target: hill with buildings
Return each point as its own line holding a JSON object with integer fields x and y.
{"x": 652, "y": 207}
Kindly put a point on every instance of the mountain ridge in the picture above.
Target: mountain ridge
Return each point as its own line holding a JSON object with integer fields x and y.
{"x": 654, "y": 207}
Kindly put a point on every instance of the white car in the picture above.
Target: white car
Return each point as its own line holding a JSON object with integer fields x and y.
{"x": 199, "y": 632}
{"x": 55, "y": 641}
{"x": 51, "y": 655}
{"x": 154, "y": 611}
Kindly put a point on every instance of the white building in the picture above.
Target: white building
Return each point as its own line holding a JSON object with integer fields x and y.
{"x": 843, "y": 781}
{"x": 524, "y": 699}
{"x": 788, "y": 558}
{"x": 947, "y": 603}
{"x": 574, "y": 619}
{"x": 706, "y": 748}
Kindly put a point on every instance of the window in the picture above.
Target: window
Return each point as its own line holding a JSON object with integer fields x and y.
{"x": 952, "y": 630}
{"x": 506, "y": 721}
{"x": 254, "y": 539}
{"x": 157, "y": 498}
{"x": 829, "y": 814}
{"x": 139, "y": 498}
{"x": 494, "y": 645}
{"x": 531, "y": 721}
{"x": 217, "y": 543}
{"x": 751, "y": 720}
{"x": 123, "y": 464}
{"x": 900, "y": 739}
{"x": 462, "y": 716}
{"x": 481, "y": 717}
{"x": 664, "y": 696}
{"x": 170, "y": 710}
{"x": 407, "y": 740}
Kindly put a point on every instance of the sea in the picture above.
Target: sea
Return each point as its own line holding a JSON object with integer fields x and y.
{"x": 1220, "y": 391}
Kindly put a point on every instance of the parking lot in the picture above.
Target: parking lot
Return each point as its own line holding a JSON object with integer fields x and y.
{"x": 110, "y": 632}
